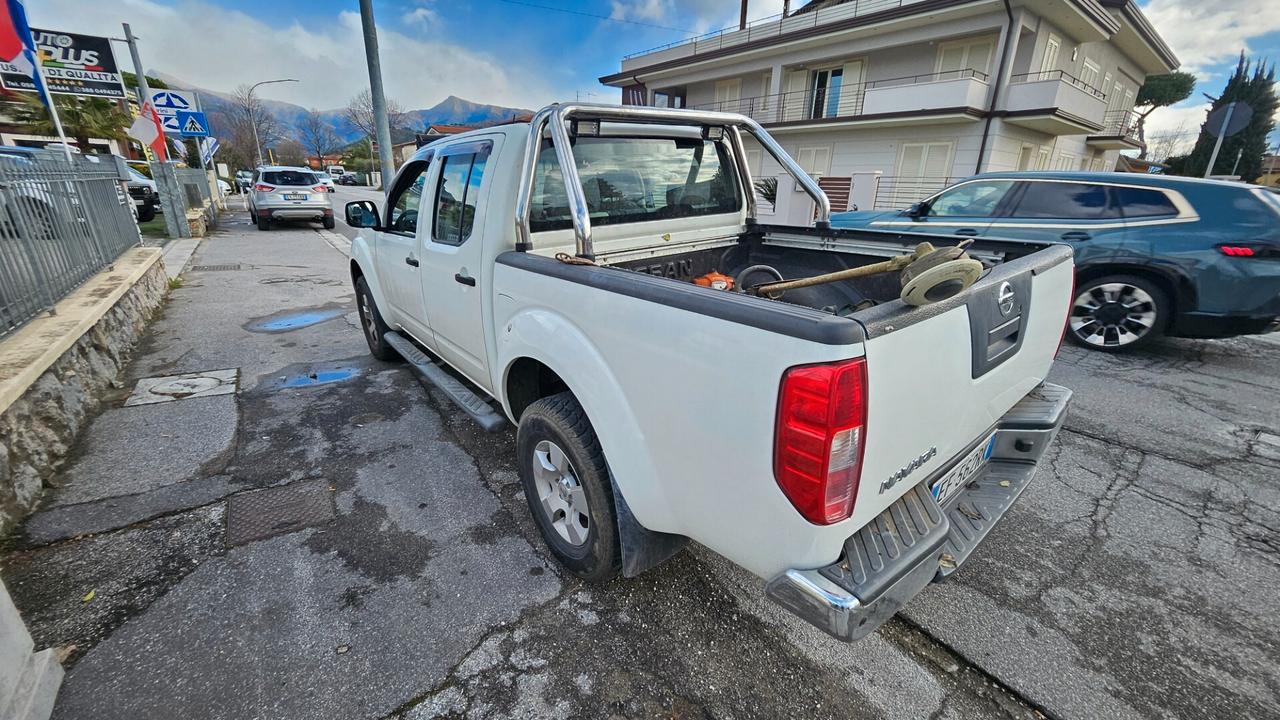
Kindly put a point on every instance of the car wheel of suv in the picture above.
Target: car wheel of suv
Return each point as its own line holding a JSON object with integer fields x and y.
{"x": 329, "y": 223}
{"x": 264, "y": 223}
{"x": 566, "y": 483}
{"x": 1117, "y": 312}
{"x": 146, "y": 214}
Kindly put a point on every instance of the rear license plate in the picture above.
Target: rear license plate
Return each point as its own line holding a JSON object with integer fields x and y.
{"x": 963, "y": 472}
{"x": 295, "y": 196}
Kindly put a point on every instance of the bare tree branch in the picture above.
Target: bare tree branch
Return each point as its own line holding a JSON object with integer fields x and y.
{"x": 317, "y": 136}
{"x": 359, "y": 112}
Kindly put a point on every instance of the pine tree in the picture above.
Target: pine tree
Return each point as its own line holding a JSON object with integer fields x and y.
{"x": 1255, "y": 85}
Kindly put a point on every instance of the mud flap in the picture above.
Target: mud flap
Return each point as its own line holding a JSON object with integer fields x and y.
{"x": 642, "y": 548}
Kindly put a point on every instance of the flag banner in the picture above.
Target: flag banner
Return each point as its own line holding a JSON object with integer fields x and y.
{"x": 18, "y": 54}
{"x": 147, "y": 130}
{"x": 73, "y": 64}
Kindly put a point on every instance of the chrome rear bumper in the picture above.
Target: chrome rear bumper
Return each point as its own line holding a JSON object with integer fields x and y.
{"x": 915, "y": 541}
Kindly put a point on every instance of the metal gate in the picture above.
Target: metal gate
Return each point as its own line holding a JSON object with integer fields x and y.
{"x": 60, "y": 223}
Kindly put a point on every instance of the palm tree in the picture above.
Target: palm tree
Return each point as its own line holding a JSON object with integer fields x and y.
{"x": 82, "y": 118}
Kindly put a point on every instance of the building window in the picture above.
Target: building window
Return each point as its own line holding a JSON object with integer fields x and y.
{"x": 728, "y": 93}
{"x": 1050, "y": 60}
{"x": 815, "y": 159}
{"x": 1042, "y": 157}
{"x": 1089, "y": 74}
{"x": 960, "y": 55}
{"x": 1026, "y": 155}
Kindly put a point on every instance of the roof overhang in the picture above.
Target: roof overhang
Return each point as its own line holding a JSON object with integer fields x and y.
{"x": 1052, "y": 121}
{"x": 1137, "y": 39}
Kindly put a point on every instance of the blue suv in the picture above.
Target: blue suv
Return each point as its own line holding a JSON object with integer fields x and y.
{"x": 1155, "y": 254}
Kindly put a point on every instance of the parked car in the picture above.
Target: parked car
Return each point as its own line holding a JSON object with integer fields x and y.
{"x": 662, "y": 395}
{"x": 1155, "y": 254}
{"x": 244, "y": 181}
{"x": 289, "y": 193}
{"x": 349, "y": 179}
{"x": 146, "y": 199}
{"x": 336, "y": 170}
{"x": 325, "y": 179}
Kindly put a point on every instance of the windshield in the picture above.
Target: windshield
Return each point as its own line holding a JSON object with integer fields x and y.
{"x": 138, "y": 177}
{"x": 634, "y": 179}
{"x": 288, "y": 177}
{"x": 323, "y": 176}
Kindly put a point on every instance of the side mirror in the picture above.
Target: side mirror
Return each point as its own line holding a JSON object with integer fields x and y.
{"x": 362, "y": 214}
{"x": 917, "y": 210}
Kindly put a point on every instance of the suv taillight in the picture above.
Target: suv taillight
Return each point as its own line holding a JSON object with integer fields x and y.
{"x": 260, "y": 187}
{"x": 820, "y": 436}
{"x": 1237, "y": 250}
{"x": 320, "y": 188}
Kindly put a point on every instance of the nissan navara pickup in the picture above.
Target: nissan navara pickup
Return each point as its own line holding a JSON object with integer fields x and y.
{"x": 678, "y": 368}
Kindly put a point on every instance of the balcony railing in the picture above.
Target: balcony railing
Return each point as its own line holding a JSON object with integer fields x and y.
{"x": 771, "y": 26}
{"x": 1067, "y": 78}
{"x": 1120, "y": 123}
{"x": 845, "y": 101}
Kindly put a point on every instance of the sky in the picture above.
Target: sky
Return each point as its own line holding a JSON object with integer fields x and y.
{"x": 527, "y": 53}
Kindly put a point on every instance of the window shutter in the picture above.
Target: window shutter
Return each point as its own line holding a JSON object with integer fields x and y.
{"x": 980, "y": 57}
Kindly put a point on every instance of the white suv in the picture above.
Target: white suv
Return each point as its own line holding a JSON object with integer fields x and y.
{"x": 289, "y": 193}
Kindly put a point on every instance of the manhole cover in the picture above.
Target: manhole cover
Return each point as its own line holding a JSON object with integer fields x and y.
{"x": 214, "y": 268}
{"x": 181, "y": 387}
{"x": 275, "y": 511}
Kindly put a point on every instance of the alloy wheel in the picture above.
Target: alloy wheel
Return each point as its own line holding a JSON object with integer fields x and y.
{"x": 1112, "y": 315}
{"x": 560, "y": 493}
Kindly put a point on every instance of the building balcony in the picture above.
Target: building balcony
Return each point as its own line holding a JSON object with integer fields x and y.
{"x": 763, "y": 29}
{"x": 1056, "y": 103}
{"x": 919, "y": 99}
{"x": 1119, "y": 132}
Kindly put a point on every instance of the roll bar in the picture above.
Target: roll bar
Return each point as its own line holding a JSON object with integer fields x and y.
{"x": 557, "y": 118}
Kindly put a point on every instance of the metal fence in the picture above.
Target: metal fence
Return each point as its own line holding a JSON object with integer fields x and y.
{"x": 60, "y": 223}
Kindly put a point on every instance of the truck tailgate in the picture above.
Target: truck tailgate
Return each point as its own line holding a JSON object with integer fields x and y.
{"x": 940, "y": 376}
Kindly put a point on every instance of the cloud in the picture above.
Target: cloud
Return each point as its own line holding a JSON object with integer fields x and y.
{"x": 1203, "y": 34}
{"x": 423, "y": 15}
{"x": 230, "y": 48}
{"x": 694, "y": 15}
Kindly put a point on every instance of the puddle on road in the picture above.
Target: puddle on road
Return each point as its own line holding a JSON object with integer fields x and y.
{"x": 314, "y": 376}
{"x": 293, "y": 319}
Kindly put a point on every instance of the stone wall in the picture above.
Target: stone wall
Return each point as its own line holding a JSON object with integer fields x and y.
{"x": 39, "y": 428}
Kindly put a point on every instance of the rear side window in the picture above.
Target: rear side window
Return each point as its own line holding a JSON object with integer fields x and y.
{"x": 1138, "y": 202}
{"x": 1064, "y": 200}
{"x": 288, "y": 177}
{"x": 457, "y": 195}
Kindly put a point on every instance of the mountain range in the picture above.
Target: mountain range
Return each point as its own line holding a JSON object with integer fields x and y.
{"x": 453, "y": 110}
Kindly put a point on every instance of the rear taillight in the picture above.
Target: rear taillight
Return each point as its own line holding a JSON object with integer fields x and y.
{"x": 821, "y": 432}
{"x": 320, "y": 188}
{"x": 1237, "y": 250}
{"x": 263, "y": 188}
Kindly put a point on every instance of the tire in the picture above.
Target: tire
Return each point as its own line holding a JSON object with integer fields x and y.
{"x": 371, "y": 323}
{"x": 147, "y": 214}
{"x": 329, "y": 223}
{"x": 1117, "y": 313}
{"x": 264, "y": 223}
{"x": 564, "y": 474}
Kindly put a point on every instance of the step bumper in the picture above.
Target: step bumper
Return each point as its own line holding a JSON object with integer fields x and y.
{"x": 915, "y": 541}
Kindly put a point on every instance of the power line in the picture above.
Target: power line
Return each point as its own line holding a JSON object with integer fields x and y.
{"x": 596, "y": 16}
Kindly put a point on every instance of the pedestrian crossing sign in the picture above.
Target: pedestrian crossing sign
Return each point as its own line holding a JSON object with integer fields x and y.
{"x": 192, "y": 124}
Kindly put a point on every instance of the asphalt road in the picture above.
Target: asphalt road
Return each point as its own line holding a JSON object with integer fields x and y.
{"x": 1135, "y": 578}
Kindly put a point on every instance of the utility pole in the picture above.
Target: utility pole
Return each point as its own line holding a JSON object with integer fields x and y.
{"x": 144, "y": 92}
{"x": 1222, "y": 134}
{"x": 375, "y": 90}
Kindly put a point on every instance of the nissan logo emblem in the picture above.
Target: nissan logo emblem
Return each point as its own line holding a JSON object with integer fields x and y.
{"x": 1005, "y": 298}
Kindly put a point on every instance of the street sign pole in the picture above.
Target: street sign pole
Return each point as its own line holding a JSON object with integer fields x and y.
{"x": 1239, "y": 154}
{"x": 144, "y": 92}
{"x": 375, "y": 89}
{"x": 1222, "y": 133}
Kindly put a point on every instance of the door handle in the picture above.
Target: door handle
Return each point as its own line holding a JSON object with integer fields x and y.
{"x": 967, "y": 232}
{"x": 411, "y": 260}
{"x": 1075, "y": 235}
{"x": 465, "y": 279}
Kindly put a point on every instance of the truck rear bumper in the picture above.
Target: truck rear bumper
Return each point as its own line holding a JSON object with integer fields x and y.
{"x": 915, "y": 541}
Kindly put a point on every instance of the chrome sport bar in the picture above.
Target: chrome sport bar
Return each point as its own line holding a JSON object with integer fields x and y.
{"x": 558, "y": 117}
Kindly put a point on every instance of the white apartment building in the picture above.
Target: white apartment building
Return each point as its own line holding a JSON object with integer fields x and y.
{"x": 887, "y": 101}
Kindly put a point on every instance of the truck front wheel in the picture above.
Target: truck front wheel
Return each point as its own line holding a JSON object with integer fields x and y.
{"x": 372, "y": 324}
{"x": 566, "y": 483}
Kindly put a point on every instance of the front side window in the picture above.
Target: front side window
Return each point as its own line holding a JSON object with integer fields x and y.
{"x": 975, "y": 199}
{"x": 288, "y": 177}
{"x": 408, "y": 198}
{"x": 1064, "y": 200}
{"x": 457, "y": 196}
{"x": 636, "y": 179}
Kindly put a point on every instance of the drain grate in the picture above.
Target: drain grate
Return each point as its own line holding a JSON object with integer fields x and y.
{"x": 266, "y": 513}
{"x": 180, "y": 387}
{"x": 215, "y": 268}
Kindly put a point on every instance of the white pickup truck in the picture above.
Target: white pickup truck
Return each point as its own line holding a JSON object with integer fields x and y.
{"x": 593, "y": 276}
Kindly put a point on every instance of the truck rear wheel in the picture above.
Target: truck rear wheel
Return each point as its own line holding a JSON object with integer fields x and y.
{"x": 566, "y": 483}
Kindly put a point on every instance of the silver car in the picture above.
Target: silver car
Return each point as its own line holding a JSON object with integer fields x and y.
{"x": 289, "y": 193}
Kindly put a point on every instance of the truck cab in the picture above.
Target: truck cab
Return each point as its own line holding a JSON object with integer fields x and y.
{"x": 598, "y": 278}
